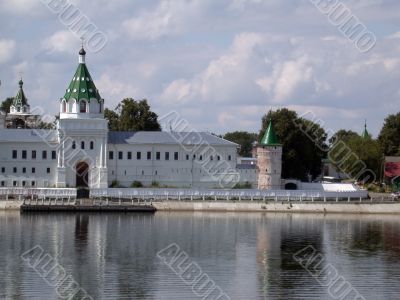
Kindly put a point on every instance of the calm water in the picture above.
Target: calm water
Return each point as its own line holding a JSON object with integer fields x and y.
{"x": 249, "y": 256}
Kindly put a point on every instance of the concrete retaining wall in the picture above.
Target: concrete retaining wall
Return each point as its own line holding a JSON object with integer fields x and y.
{"x": 351, "y": 208}
{"x": 10, "y": 205}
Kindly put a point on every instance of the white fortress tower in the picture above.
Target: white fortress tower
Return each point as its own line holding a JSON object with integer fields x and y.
{"x": 82, "y": 133}
{"x": 269, "y": 161}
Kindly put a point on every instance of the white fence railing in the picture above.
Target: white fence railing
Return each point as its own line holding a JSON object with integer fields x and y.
{"x": 41, "y": 193}
{"x": 208, "y": 194}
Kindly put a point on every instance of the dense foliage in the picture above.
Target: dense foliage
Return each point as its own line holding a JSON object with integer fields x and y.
{"x": 132, "y": 115}
{"x": 244, "y": 139}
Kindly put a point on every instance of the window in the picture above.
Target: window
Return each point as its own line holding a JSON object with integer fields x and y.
{"x": 166, "y": 155}
{"x": 218, "y": 157}
{"x": 33, "y": 183}
{"x": 53, "y": 155}
{"x": 111, "y": 155}
{"x": 211, "y": 158}
{"x": 73, "y": 145}
{"x": 176, "y": 155}
{"x": 129, "y": 155}
{"x": 15, "y": 183}
{"x": 194, "y": 156}
{"x": 229, "y": 157}
{"x": 83, "y": 145}
{"x": 44, "y": 154}
{"x": 158, "y": 155}
{"x": 91, "y": 145}
{"x": 101, "y": 107}
{"x": 187, "y": 156}
{"x": 201, "y": 157}
{"x": 148, "y": 155}
{"x": 48, "y": 170}
{"x": 120, "y": 155}
{"x": 64, "y": 107}
{"x": 23, "y": 183}
{"x": 82, "y": 106}
{"x": 138, "y": 155}
{"x": 24, "y": 170}
{"x": 3, "y": 170}
{"x": 3, "y": 184}
{"x": 33, "y": 154}
{"x": 14, "y": 154}
{"x": 33, "y": 170}
{"x": 15, "y": 170}
{"x": 23, "y": 154}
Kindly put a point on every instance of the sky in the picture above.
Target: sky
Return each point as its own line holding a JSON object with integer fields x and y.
{"x": 220, "y": 64}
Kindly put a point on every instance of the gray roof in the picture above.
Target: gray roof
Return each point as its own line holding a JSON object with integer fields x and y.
{"x": 171, "y": 138}
{"x": 28, "y": 135}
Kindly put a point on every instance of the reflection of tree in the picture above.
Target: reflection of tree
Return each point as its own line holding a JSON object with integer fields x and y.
{"x": 367, "y": 237}
{"x": 280, "y": 275}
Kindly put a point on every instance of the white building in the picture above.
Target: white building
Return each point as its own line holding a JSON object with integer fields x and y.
{"x": 81, "y": 152}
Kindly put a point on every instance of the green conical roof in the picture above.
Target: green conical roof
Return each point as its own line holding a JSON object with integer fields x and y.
{"x": 270, "y": 138}
{"x": 365, "y": 134}
{"x": 20, "y": 99}
{"x": 82, "y": 85}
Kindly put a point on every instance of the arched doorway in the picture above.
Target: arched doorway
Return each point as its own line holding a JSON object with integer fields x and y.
{"x": 291, "y": 186}
{"x": 82, "y": 175}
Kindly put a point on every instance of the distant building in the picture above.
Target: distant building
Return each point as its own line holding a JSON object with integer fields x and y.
{"x": 269, "y": 161}
{"x": 392, "y": 171}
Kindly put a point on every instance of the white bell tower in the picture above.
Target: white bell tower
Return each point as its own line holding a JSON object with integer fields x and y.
{"x": 83, "y": 133}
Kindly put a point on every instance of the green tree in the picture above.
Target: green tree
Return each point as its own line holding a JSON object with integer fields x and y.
{"x": 5, "y": 105}
{"x": 356, "y": 156}
{"x": 304, "y": 143}
{"x": 132, "y": 115}
{"x": 342, "y": 135}
{"x": 244, "y": 139}
{"x": 389, "y": 137}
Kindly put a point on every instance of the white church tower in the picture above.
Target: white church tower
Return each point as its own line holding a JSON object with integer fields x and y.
{"x": 82, "y": 132}
{"x": 269, "y": 161}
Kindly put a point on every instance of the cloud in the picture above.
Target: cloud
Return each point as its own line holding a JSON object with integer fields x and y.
{"x": 166, "y": 19}
{"x": 63, "y": 41}
{"x": 7, "y": 50}
{"x": 218, "y": 81}
{"x": 21, "y": 7}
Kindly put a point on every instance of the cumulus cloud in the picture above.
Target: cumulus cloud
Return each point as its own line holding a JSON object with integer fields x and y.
{"x": 169, "y": 17}
{"x": 61, "y": 41}
{"x": 7, "y": 50}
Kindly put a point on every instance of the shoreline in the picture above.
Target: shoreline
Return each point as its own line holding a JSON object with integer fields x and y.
{"x": 270, "y": 207}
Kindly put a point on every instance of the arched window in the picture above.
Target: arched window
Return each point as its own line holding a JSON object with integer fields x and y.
{"x": 64, "y": 107}
{"x": 83, "y": 145}
{"x": 100, "y": 107}
{"x": 91, "y": 145}
{"x": 82, "y": 107}
{"x": 73, "y": 145}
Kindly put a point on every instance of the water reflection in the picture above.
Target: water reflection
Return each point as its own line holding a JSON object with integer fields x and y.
{"x": 250, "y": 256}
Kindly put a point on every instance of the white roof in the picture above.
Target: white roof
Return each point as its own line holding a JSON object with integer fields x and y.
{"x": 28, "y": 135}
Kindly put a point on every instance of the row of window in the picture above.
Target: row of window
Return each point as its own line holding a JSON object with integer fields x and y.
{"x": 24, "y": 154}
{"x": 91, "y": 145}
{"x": 83, "y": 107}
{"x": 158, "y": 156}
{"x": 24, "y": 170}
{"x": 15, "y": 183}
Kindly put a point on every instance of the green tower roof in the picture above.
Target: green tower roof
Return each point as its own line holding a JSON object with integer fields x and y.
{"x": 365, "y": 134}
{"x": 20, "y": 99}
{"x": 270, "y": 138}
{"x": 82, "y": 85}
